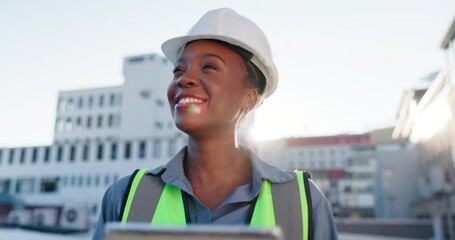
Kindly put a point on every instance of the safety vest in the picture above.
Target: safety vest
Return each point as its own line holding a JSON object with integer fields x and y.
{"x": 287, "y": 205}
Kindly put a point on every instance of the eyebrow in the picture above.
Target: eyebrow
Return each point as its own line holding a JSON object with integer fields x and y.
{"x": 182, "y": 59}
{"x": 213, "y": 55}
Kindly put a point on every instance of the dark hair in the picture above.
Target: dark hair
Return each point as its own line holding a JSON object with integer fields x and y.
{"x": 255, "y": 76}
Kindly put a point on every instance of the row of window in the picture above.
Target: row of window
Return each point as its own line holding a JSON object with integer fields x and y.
{"x": 83, "y": 152}
{"x": 320, "y": 152}
{"x": 27, "y": 185}
{"x": 314, "y": 164}
{"x": 52, "y": 184}
{"x": 90, "y": 101}
{"x": 87, "y": 122}
{"x": 82, "y": 181}
{"x": 143, "y": 58}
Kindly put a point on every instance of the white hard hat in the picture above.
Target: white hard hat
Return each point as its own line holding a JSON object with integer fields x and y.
{"x": 226, "y": 25}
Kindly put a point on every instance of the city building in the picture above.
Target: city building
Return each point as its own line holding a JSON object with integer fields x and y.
{"x": 362, "y": 175}
{"x": 100, "y": 135}
{"x": 335, "y": 167}
{"x": 426, "y": 119}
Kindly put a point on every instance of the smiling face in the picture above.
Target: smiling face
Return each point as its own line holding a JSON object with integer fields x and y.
{"x": 208, "y": 90}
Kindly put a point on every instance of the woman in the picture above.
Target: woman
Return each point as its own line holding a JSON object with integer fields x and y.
{"x": 223, "y": 70}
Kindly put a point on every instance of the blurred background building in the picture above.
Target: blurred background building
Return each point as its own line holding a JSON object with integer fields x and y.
{"x": 426, "y": 119}
{"x": 100, "y": 135}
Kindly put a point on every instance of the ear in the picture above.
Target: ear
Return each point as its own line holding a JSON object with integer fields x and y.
{"x": 250, "y": 99}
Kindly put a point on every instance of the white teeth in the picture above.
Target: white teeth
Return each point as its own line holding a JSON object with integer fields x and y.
{"x": 190, "y": 100}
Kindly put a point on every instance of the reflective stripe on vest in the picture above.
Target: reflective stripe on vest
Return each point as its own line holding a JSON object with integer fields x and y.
{"x": 151, "y": 200}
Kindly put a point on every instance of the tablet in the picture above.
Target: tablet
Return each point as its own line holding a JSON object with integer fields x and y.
{"x": 144, "y": 231}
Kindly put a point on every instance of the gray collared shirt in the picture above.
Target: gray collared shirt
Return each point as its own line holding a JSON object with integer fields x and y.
{"x": 234, "y": 209}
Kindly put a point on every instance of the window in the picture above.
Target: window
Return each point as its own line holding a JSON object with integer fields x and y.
{"x": 5, "y": 185}
{"x": 11, "y": 156}
{"x": 73, "y": 181}
{"x": 145, "y": 94}
{"x": 100, "y": 121}
{"x": 59, "y": 153}
{"x": 106, "y": 179}
{"x": 25, "y": 185}
{"x": 142, "y": 149}
{"x": 1, "y": 157}
{"x": 110, "y": 121}
{"x": 85, "y": 152}
{"x": 90, "y": 101}
{"x": 80, "y": 182}
{"x": 97, "y": 180}
{"x": 119, "y": 99}
{"x": 157, "y": 149}
{"x": 99, "y": 152}
{"x": 113, "y": 151}
{"x": 159, "y": 102}
{"x": 34, "y": 155}
{"x": 342, "y": 152}
{"x": 47, "y": 152}
{"x": 79, "y": 123}
{"x": 61, "y": 105}
{"x": 72, "y": 153}
{"x": 322, "y": 164}
{"x": 59, "y": 125}
{"x": 49, "y": 185}
{"x": 112, "y": 99}
{"x": 68, "y": 124}
{"x": 171, "y": 148}
{"x": 81, "y": 102}
{"x": 22, "y": 158}
{"x": 136, "y": 59}
{"x": 70, "y": 105}
{"x": 89, "y": 181}
{"x": 89, "y": 122}
{"x": 101, "y": 101}
{"x": 321, "y": 152}
{"x": 158, "y": 125}
{"x": 127, "y": 153}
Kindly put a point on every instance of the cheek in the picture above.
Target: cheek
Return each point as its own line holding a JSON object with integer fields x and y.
{"x": 170, "y": 92}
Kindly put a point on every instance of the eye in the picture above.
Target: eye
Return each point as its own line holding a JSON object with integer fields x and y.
{"x": 178, "y": 70}
{"x": 208, "y": 67}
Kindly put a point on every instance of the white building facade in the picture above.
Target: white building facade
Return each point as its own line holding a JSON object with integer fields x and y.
{"x": 100, "y": 135}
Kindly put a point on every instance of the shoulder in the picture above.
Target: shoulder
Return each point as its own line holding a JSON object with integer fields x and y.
{"x": 316, "y": 195}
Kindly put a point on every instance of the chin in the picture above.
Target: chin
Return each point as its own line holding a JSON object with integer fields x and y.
{"x": 189, "y": 127}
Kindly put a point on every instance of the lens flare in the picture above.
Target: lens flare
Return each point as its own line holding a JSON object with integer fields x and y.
{"x": 193, "y": 109}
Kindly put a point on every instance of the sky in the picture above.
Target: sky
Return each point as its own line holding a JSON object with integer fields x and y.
{"x": 343, "y": 65}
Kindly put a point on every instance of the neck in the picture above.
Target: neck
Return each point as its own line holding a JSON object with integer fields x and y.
{"x": 212, "y": 160}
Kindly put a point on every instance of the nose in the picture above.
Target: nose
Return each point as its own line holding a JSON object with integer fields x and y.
{"x": 187, "y": 80}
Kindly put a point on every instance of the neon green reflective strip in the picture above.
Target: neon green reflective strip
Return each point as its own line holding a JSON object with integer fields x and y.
{"x": 263, "y": 214}
{"x": 131, "y": 194}
{"x": 170, "y": 208}
{"x": 304, "y": 203}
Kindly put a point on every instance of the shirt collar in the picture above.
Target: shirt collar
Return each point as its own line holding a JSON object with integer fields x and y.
{"x": 173, "y": 170}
